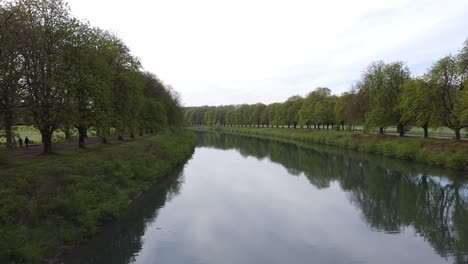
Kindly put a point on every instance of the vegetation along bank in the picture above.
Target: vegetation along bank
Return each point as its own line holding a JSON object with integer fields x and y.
{"x": 49, "y": 202}
{"x": 440, "y": 152}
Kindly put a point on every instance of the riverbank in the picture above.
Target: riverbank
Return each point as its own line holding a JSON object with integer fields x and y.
{"x": 438, "y": 152}
{"x": 50, "y": 202}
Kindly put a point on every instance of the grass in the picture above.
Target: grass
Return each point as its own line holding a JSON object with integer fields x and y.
{"x": 439, "y": 152}
{"x": 433, "y": 132}
{"x": 35, "y": 136}
{"x": 47, "y": 202}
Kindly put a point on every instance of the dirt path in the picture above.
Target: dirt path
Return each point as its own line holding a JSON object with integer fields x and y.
{"x": 34, "y": 150}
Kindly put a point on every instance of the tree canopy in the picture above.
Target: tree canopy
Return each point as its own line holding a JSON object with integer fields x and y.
{"x": 57, "y": 72}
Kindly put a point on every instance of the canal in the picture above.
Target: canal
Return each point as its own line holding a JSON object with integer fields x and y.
{"x": 250, "y": 200}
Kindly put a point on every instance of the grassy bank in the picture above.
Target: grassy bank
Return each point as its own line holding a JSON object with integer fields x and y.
{"x": 49, "y": 202}
{"x": 439, "y": 152}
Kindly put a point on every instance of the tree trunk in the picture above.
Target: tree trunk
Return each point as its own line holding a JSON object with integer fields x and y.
{"x": 401, "y": 130}
{"x": 141, "y": 132}
{"x": 342, "y": 126}
{"x": 8, "y": 123}
{"x": 457, "y": 134}
{"x": 381, "y": 131}
{"x": 81, "y": 136}
{"x": 47, "y": 138}
{"x": 132, "y": 135}
{"x": 426, "y": 131}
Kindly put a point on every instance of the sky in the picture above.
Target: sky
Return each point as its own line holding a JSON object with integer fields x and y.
{"x": 216, "y": 52}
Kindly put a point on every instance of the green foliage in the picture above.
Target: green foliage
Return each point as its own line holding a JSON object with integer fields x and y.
{"x": 58, "y": 72}
{"x": 447, "y": 78}
{"x": 46, "y": 202}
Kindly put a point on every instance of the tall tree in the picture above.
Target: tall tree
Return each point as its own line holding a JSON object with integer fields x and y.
{"x": 446, "y": 78}
{"x": 384, "y": 83}
{"x": 417, "y": 104}
{"x": 12, "y": 34}
{"x": 292, "y": 106}
{"x": 49, "y": 28}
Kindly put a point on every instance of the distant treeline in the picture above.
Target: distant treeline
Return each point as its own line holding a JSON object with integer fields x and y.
{"x": 386, "y": 95}
{"x": 57, "y": 72}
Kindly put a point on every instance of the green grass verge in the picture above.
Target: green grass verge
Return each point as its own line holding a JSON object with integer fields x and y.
{"x": 439, "y": 152}
{"x": 48, "y": 202}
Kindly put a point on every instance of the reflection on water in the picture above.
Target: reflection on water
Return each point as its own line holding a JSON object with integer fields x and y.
{"x": 248, "y": 200}
{"x": 121, "y": 240}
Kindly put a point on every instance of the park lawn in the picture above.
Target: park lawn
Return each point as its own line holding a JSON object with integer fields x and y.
{"x": 33, "y": 134}
{"x": 48, "y": 202}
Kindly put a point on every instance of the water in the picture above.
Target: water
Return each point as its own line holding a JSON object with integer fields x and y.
{"x": 247, "y": 200}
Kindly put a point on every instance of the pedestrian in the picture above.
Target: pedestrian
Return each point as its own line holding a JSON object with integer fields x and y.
{"x": 26, "y": 141}
{"x": 20, "y": 141}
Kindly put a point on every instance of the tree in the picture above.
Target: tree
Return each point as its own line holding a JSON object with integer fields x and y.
{"x": 256, "y": 114}
{"x": 316, "y": 108}
{"x": 342, "y": 115}
{"x": 384, "y": 84}
{"x": 12, "y": 32}
{"x": 49, "y": 27}
{"x": 276, "y": 117}
{"x": 417, "y": 104}
{"x": 447, "y": 81}
{"x": 292, "y": 106}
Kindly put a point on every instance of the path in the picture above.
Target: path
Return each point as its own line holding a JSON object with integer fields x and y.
{"x": 37, "y": 149}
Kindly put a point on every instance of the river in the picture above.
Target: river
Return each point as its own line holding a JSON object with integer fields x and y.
{"x": 249, "y": 200}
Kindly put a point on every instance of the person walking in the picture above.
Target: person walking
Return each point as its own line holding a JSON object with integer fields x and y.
{"x": 26, "y": 141}
{"x": 20, "y": 141}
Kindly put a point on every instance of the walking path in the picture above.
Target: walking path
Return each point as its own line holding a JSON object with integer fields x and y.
{"x": 37, "y": 149}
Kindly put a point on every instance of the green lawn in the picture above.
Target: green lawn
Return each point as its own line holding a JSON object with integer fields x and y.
{"x": 35, "y": 136}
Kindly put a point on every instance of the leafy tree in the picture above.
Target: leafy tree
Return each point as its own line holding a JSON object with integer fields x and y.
{"x": 384, "y": 83}
{"x": 276, "y": 117}
{"x": 292, "y": 106}
{"x": 49, "y": 27}
{"x": 417, "y": 104}
{"x": 446, "y": 78}
{"x": 256, "y": 114}
{"x": 342, "y": 115}
{"x": 12, "y": 34}
{"x": 265, "y": 116}
{"x": 316, "y": 108}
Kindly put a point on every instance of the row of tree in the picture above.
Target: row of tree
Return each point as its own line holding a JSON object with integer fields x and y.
{"x": 57, "y": 72}
{"x": 386, "y": 95}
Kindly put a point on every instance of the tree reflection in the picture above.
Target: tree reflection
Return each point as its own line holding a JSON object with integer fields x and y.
{"x": 130, "y": 228}
{"x": 391, "y": 194}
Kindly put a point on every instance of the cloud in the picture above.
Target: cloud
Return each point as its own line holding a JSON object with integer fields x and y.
{"x": 223, "y": 52}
